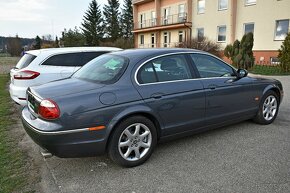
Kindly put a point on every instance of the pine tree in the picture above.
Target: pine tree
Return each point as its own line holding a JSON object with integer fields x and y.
{"x": 56, "y": 42}
{"x": 284, "y": 54}
{"x": 37, "y": 43}
{"x": 111, "y": 13}
{"x": 127, "y": 19}
{"x": 92, "y": 27}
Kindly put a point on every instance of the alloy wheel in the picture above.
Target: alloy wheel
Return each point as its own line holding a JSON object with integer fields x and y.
{"x": 134, "y": 142}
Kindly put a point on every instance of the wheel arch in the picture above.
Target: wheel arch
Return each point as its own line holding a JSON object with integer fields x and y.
{"x": 275, "y": 89}
{"x": 136, "y": 111}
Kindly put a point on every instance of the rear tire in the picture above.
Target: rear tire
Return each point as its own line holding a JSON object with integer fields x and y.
{"x": 268, "y": 108}
{"x": 133, "y": 141}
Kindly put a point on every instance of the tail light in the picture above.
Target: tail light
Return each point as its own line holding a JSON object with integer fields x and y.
{"x": 48, "y": 109}
{"x": 26, "y": 75}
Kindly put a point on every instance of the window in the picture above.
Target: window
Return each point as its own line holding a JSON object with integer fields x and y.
{"x": 168, "y": 68}
{"x": 180, "y": 36}
{"x": 25, "y": 60}
{"x": 200, "y": 6}
{"x": 281, "y": 31}
{"x": 142, "y": 39}
{"x": 200, "y": 34}
{"x": 88, "y": 56}
{"x": 152, "y": 40}
{"x": 250, "y": 2}
{"x": 70, "y": 59}
{"x": 274, "y": 60}
{"x": 104, "y": 69}
{"x": 222, "y": 30}
{"x": 181, "y": 13}
{"x": 209, "y": 66}
{"x": 153, "y": 18}
{"x": 166, "y": 40}
{"x": 223, "y": 4}
{"x": 142, "y": 20}
{"x": 249, "y": 27}
{"x": 166, "y": 15}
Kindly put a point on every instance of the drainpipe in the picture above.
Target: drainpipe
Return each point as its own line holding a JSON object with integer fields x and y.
{"x": 233, "y": 18}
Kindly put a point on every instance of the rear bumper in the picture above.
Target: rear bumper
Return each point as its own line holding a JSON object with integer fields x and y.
{"x": 65, "y": 144}
{"x": 18, "y": 94}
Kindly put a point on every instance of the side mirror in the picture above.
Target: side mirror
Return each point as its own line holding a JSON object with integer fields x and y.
{"x": 241, "y": 73}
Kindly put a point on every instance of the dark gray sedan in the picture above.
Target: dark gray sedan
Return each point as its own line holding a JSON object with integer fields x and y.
{"x": 123, "y": 103}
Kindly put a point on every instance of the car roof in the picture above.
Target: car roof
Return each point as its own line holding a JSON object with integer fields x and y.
{"x": 139, "y": 54}
{"x": 49, "y": 51}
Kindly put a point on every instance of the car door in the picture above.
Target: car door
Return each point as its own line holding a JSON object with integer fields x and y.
{"x": 169, "y": 87}
{"x": 227, "y": 97}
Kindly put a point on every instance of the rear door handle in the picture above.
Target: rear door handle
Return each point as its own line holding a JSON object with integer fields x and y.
{"x": 157, "y": 95}
{"x": 212, "y": 86}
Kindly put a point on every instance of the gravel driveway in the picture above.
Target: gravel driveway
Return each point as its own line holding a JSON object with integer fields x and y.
{"x": 244, "y": 157}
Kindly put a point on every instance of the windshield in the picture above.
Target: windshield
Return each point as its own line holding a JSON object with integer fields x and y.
{"x": 104, "y": 69}
{"x": 25, "y": 61}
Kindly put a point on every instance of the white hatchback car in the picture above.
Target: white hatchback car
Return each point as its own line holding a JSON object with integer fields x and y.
{"x": 45, "y": 65}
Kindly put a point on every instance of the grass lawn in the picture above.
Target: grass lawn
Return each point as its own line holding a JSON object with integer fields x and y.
{"x": 13, "y": 161}
{"x": 8, "y": 60}
{"x": 267, "y": 70}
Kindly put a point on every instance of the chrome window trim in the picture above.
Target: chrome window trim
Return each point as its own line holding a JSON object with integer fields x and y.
{"x": 176, "y": 53}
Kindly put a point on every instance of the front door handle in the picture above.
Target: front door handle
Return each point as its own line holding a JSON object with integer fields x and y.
{"x": 157, "y": 95}
{"x": 212, "y": 86}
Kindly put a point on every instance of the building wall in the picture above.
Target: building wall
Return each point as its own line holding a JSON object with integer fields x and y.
{"x": 211, "y": 19}
{"x": 264, "y": 15}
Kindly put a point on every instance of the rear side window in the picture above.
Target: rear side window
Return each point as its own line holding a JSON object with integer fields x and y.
{"x": 70, "y": 59}
{"x": 88, "y": 56}
{"x": 168, "y": 68}
{"x": 25, "y": 61}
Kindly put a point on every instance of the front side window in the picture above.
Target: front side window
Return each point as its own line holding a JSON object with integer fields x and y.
{"x": 209, "y": 66}
{"x": 281, "y": 31}
{"x": 168, "y": 68}
{"x": 222, "y": 30}
{"x": 223, "y": 4}
{"x": 250, "y": 2}
{"x": 25, "y": 60}
{"x": 70, "y": 59}
{"x": 200, "y": 6}
{"x": 249, "y": 27}
{"x": 104, "y": 69}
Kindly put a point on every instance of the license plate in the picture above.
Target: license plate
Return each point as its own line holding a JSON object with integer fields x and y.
{"x": 30, "y": 105}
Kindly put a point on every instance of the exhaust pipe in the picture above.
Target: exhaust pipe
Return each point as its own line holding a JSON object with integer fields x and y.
{"x": 46, "y": 154}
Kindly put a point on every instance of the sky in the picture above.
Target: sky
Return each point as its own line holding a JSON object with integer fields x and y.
{"x": 29, "y": 18}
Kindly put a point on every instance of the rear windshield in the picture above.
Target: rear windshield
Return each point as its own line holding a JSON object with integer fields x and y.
{"x": 104, "y": 69}
{"x": 25, "y": 61}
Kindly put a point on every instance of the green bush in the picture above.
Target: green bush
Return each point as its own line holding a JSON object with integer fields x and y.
{"x": 284, "y": 54}
{"x": 241, "y": 52}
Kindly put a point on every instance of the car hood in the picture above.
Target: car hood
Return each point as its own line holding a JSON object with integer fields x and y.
{"x": 64, "y": 87}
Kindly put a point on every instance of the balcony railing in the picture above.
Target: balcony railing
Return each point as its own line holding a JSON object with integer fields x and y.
{"x": 166, "y": 20}
{"x": 161, "y": 45}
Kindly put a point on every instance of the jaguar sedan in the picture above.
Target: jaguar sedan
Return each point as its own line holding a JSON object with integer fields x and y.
{"x": 125, "y": 102}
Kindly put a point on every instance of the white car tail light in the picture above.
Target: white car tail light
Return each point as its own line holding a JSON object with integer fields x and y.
{"x": 26, "y": 75}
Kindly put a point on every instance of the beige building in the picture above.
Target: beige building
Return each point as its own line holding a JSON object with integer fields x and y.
{"x": 165, "y": 23}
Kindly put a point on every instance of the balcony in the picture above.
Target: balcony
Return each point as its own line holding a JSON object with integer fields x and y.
{"x": 180, "y": 18}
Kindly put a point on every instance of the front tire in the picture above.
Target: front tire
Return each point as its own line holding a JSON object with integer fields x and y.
{"x": 268, "y": 108}
{"x": 133, "y": 141}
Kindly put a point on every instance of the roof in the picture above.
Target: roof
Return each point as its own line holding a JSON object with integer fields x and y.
{"x": 49, "y": 51}
{"x": 143, "y": 53}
